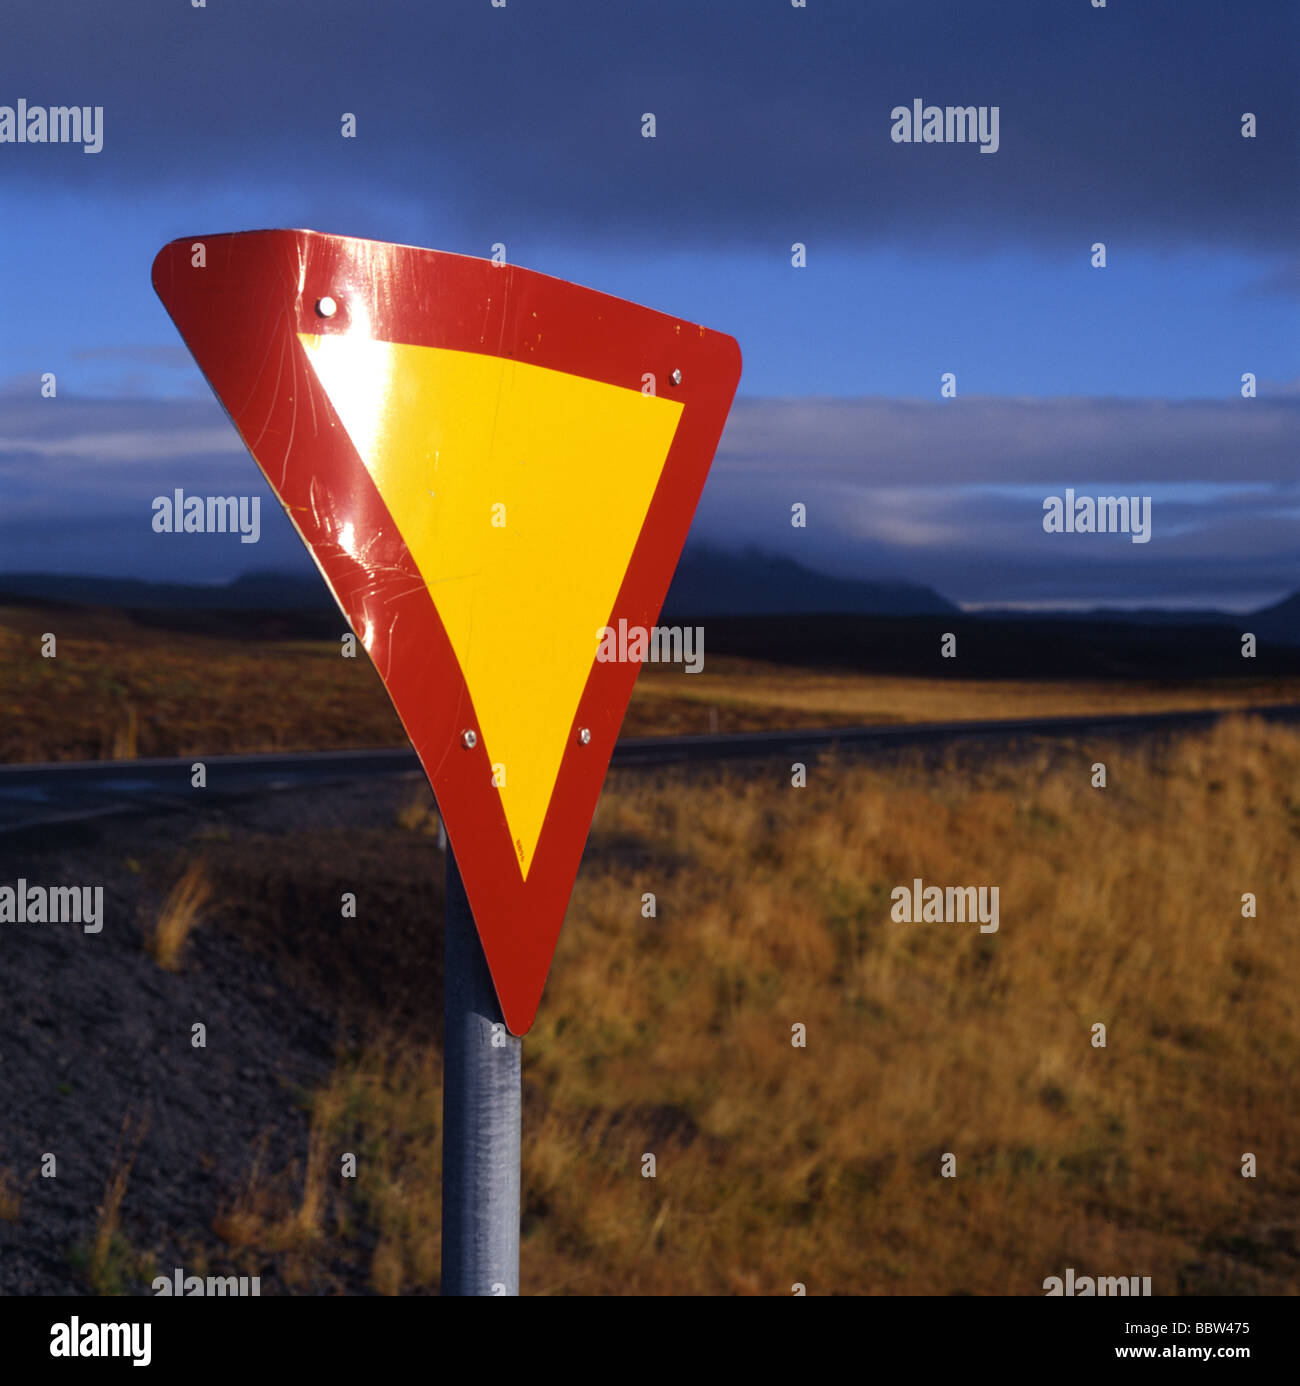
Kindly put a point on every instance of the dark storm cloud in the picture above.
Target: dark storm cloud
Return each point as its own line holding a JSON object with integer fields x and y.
{"x": 79, "y": 482}
{"x": 951, "y": 495}
{"x": 892, "y": 442}
{"x": 945, "y": 494}
{"x": 986, "y": 547}
{"x": 111, "y": 432}
{"x": 773, "y": 122}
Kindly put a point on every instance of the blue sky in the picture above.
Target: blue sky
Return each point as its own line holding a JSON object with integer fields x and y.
{"x": 522, "y": 125}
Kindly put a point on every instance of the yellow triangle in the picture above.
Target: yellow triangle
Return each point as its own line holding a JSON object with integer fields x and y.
{"x": 520, "y": 493}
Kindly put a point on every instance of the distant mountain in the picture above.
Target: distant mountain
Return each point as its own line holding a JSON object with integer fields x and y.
{"x": 1117, "y": 615}
{"x": 1280, "y": 621}
{"x": 711, "y": 582}
{"x": 252, "y": 592}
{"x": 1031, "y": 648}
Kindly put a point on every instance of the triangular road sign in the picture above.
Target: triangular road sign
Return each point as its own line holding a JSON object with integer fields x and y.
{"x": 489, "y": 466}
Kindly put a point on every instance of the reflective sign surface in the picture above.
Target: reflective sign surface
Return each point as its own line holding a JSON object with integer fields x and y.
{"x": 489, "y": 467}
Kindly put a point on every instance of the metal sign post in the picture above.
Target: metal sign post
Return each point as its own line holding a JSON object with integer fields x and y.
{"x": 481, "y": 1074}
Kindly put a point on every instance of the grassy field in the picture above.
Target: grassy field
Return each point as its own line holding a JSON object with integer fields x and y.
{"x": 821, "y": 1165}
{"x": 671, "y": 1035}
{"x": 118, "y": 690}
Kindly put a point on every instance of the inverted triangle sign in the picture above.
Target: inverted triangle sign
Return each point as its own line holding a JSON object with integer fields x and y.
{"x": 489, "y": 466}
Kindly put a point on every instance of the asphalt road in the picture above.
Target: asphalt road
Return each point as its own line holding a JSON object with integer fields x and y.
{"x": 34, "y": 796}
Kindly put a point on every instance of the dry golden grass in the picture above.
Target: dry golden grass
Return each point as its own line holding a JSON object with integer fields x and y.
{"x": 308, "y": 1220}
{"x": 119, "y": 690}
{"x": 281, "y": 1214}
{"x": 731, "y": 694}
{"x": 11, "y": 1196}
{"x": 111, "y": 1258}
{"x": 386, "y": 1107}
{"x": 126, "y": 738}
{"x": 419, "y": 813}
{"x": 246, "y": 1219}
{"x": 821, "y": 1165}
{"x": 179, "y": 915}
{"x": 386, "y": 1112}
